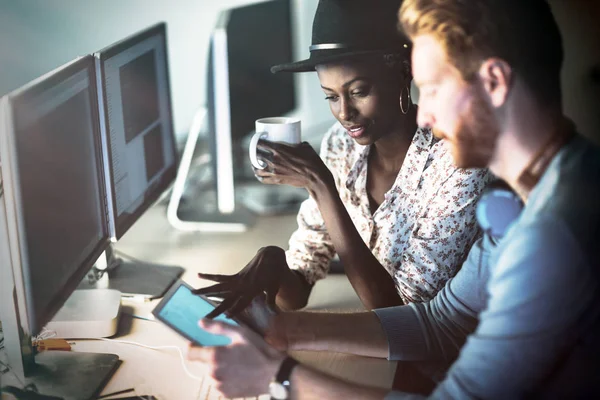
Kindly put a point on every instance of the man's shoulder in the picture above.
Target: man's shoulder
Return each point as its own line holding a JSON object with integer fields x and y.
{"x": 569, "y": 191}
{"x": 543, "y": 250}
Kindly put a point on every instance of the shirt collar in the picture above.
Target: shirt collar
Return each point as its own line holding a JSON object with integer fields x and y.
{"x": 412, "y": 167}
{"x": 416, "y": 159}
{"x": 359, "y": 165}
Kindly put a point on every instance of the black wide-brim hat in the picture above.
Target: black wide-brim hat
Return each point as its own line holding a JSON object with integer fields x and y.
{"x": 351, "y": 29}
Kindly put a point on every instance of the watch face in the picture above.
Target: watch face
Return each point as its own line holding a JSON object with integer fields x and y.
{"x": 278, "y": 391}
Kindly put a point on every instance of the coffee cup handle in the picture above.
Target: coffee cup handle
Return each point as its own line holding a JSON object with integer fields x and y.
{"x": 256, "y": 163}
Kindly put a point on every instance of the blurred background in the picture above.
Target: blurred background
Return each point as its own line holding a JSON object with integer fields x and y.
{"x": 39, "y": 35}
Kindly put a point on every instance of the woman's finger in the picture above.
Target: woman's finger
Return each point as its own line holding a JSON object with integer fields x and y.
{"x": 240, "y": 306}
{"x": 262, "y": 173}
{"x": 216, "y": 277}
{"x": 285, "y": 153}
{"x": 267, "y": 145}
{"x": 284, "y": 172}
{"x": 214, "y": 289}
{"x": 263, "y": 153}
{"x": 224, "y": 306}
{"x": 219, "y": 294}
{"x": 279, "y": 180}
{"x": 271, "y": 298}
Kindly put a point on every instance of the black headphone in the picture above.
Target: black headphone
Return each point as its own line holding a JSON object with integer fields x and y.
{"x": 498, "y": 207}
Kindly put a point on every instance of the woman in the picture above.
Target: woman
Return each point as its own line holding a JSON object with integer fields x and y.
{"x": 384, "y": 194}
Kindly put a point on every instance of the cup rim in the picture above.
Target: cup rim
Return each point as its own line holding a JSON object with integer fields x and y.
{"x": 278, "y": 120}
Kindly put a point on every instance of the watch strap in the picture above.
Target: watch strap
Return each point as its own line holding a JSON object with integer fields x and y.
{"x": 284, "y": 372}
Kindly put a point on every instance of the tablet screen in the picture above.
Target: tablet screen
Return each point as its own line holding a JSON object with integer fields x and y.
{"x": 182, "y": 311}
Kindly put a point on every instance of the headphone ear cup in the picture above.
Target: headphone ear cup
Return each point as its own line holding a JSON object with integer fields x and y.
{"x": 414, "y": 92}
{"x": 497, "y": 209}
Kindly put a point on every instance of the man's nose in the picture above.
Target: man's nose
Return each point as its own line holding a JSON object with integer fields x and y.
{"x": 425, "y": 119}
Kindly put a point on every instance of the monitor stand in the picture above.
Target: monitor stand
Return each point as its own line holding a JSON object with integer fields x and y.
{"x": 133, "y": 278}
{"x": 202, "y": 214}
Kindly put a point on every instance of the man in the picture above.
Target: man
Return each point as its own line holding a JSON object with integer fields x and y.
{"x": 521, "y": 320}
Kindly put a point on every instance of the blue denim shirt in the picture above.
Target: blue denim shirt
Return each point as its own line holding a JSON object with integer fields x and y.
{"x": 522, "y": 318}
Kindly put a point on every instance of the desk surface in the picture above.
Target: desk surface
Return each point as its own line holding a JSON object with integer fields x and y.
{"x": 159, "y": 372}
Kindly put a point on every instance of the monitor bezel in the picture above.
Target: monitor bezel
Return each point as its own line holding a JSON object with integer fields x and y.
{"x": 36, "y": 322}
{"x": 122, "y": 225}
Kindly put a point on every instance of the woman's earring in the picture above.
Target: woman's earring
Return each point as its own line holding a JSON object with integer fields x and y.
{"x": 408, "y": 102}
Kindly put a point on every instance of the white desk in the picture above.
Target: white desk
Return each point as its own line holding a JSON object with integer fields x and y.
{"x": 160, "y": 373}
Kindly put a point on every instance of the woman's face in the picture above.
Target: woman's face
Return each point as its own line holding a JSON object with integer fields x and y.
{"x": 363, "y": 97}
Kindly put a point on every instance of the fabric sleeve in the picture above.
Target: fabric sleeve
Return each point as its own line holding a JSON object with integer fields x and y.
{"x": 310, "y": 247}
{"x": 436, "y": 330}
{"x": 394, "y": 395}
{"x": 440, "y": 241}
{"x": 531, "y": 319}
{"x": 531, "y": 316}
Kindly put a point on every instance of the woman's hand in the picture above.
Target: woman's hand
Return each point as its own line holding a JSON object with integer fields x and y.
{"x": 263, "y": 274}
{"x": 294, "y": 165}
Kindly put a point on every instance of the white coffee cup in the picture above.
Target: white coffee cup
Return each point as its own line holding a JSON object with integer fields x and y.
{"x": 274, "y": 129}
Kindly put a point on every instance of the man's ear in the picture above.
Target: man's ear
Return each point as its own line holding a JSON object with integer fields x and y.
{"x": 496, "y": 76}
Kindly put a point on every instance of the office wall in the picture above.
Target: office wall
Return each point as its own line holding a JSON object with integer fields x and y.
{"x": 39, "y": 35}
{"x": 579, "y": 24}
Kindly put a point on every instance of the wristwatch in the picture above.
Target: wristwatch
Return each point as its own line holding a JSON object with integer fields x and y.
{"x": 279, "y": 388}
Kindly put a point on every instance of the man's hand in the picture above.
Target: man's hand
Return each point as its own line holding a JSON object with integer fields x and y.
{"x": 241, "y": 369}
{"x": 263, "y": 274}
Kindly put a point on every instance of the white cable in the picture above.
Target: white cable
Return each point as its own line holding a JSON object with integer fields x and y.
{"x": 187, "y": 371}
{"x": 44, "y": 334}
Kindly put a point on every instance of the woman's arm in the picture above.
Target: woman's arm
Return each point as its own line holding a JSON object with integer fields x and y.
{"x": 324, "y": 225}
{"x": 313, "y": 247}
{"x": 308, "y": 256}
{"x": 294, "y": 291}
{"x": 368, "y": 277}
{"x": 301, "y": 166}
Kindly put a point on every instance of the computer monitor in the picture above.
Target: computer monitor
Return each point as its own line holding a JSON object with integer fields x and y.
{"x": 53, "y": 224}
{"x": 245, "y": 43}
{"x": 140, "y": 151}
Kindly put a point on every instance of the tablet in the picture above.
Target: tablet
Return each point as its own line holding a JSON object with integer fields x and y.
{"x": 181, "y": 310}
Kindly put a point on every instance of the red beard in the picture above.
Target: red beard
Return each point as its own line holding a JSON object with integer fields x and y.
{"x": 475, "y": 135}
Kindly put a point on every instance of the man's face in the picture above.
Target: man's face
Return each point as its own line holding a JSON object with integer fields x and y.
{"x": 456, "y": 110}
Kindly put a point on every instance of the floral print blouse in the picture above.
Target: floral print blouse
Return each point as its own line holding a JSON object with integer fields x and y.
{"x": 421, "y": 232}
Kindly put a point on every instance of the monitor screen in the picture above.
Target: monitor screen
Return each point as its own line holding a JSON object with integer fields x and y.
{"x": 137, "y": 106}
{"x": 59, "y": 185}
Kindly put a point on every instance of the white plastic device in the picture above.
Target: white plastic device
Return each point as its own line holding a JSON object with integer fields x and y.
{"x": 88, "y": 314}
